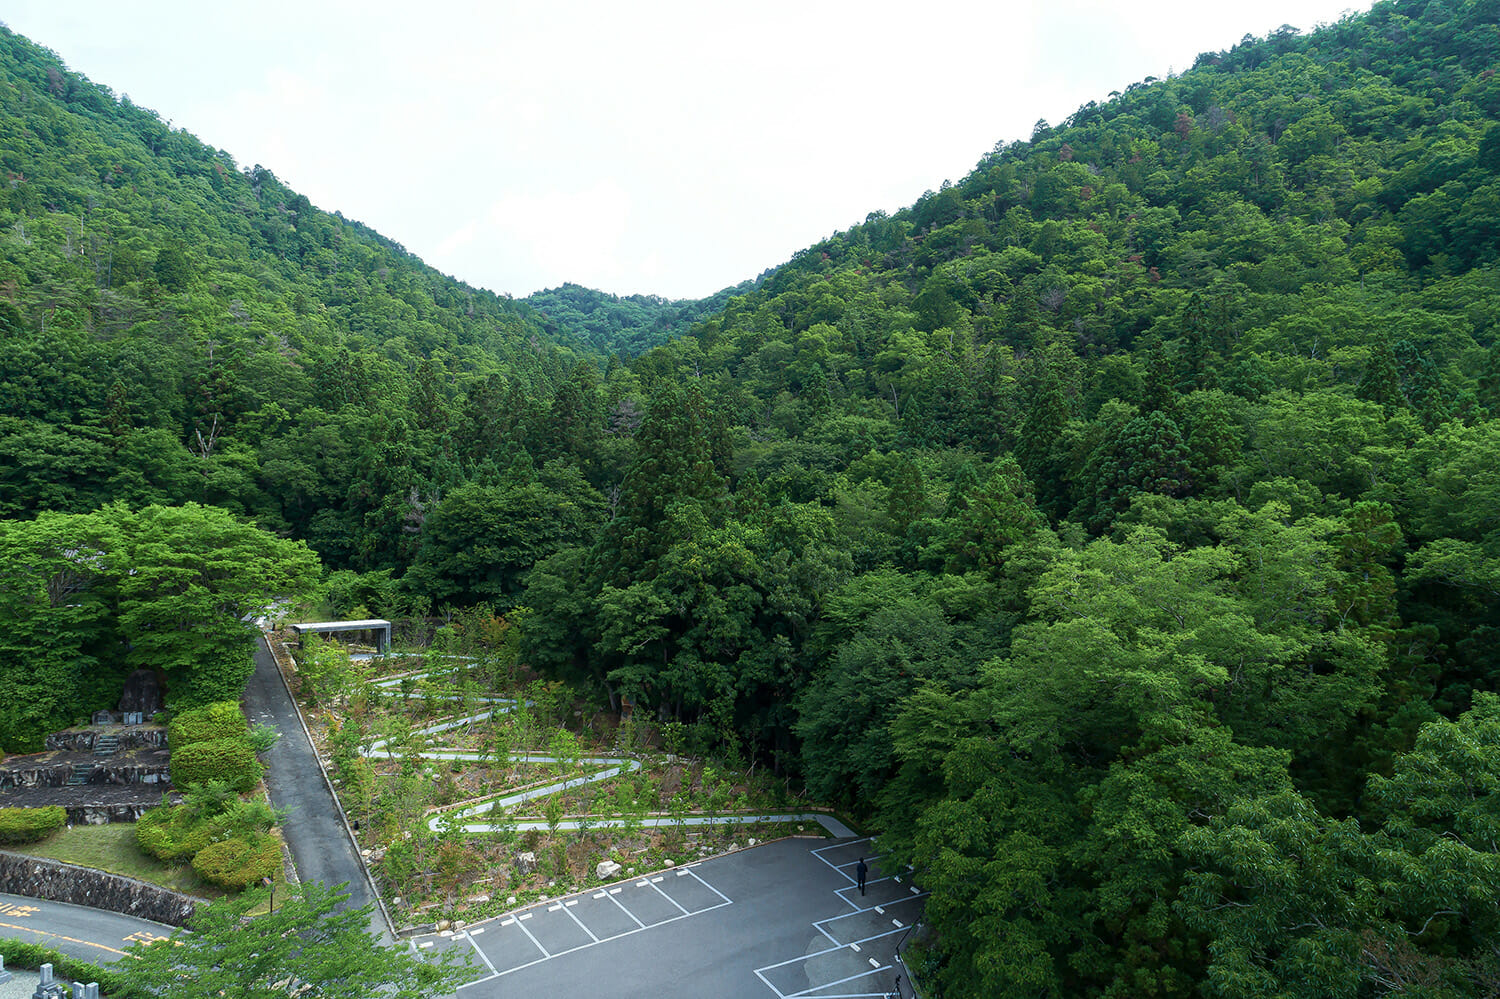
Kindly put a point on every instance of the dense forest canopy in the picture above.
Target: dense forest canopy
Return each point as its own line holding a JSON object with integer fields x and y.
{"x": 627, "y": 325}
{"x": 1114, "y": 529}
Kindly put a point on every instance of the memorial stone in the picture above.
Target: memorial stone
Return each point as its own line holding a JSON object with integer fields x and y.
{"x": 142, "y": 693}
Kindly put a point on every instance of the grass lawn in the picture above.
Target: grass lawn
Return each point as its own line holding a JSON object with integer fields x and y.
{"x": 112, "y": 848}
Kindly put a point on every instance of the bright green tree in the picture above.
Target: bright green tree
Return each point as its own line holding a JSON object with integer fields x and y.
{"x": 190, "y": 579}
{"x": 309, "y": 945}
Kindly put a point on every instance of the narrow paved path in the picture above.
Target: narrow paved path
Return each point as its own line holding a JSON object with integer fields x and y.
{"x": 314, "y": 828}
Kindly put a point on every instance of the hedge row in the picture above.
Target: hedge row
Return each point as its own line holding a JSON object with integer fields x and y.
{"x": 30, "y": 825}
{"x": 25, "y": 954}
{"x": 230, "y": 760}
{"x": 219, "y": 720}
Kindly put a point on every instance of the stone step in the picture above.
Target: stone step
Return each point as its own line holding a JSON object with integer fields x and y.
{"x": 106, "y": 745}
{"x": 81, "y": 774}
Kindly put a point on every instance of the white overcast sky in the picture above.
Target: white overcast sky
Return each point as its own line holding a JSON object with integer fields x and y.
{"x": 648, "y": 146}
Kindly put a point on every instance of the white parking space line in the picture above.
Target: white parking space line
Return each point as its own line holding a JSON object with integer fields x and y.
{"x": 625, "y": 910}
{"x": 669, "y": 898}
{"x": 582, "y": 927}
{"x": 820, "y": 953}
{"x": 530, "y": 937}
{"x": 482, "y": 955}
{"x": 708, "y": 886}
{"x": 640, "y": 927}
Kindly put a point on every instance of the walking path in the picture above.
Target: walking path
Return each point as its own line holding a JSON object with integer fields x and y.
{"x": 322, "y": 845}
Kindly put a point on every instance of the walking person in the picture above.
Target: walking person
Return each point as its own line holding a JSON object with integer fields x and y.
{"x": 861, "y": 870}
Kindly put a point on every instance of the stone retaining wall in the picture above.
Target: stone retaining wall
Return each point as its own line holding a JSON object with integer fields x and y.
{"x": 131, "y": 737}
{"x": 103, "y": 815}
{"x": 56, "y": 882}
{"x": 58, "y": 775}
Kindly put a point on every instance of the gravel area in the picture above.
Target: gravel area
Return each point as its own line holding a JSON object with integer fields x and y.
{"x": 22, "y": 985}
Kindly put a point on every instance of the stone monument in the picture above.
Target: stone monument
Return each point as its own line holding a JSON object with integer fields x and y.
{"x": 142, "y": 693}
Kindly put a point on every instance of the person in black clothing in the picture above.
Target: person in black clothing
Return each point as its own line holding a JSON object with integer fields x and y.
{"x": 861, "y": 869}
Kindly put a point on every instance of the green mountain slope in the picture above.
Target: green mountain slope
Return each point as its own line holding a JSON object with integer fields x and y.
{"x": 176, "y": 328}
{"x": 1112, "y": 529}
{"x": 1108, "y": 525}
{"x": 627, "y": 325}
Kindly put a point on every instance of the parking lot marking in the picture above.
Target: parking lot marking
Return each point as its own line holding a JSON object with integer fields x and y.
{"x": 580, "y": 924}
{"x": 482, "y": 955}
{"x": 640, "y": 927}
{"x": 532, "y": 938}
{"x": 669, "y": 898}
{"x": 820, "y": 953}
{"x": 828, "y": 985}
{"x": 710, "y": 888}
{"x": 625, "y": 910}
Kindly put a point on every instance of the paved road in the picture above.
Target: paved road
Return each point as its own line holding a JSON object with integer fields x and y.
{"x": 314, "y": 829}
{"x": 92, "y": 935}
{"x": 782, "y": 921}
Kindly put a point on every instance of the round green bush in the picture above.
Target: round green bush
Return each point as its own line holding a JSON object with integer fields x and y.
{"x": 220, "y": 720}
{"x": 31, "y": 825}
{"x": 237, "y": 863}
{"x": 230, "y": 760}
{"x": 171, "y": 833}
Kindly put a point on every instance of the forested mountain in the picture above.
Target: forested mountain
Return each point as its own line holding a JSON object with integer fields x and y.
{"x": 175, "y": 328}
{"x": 626, "y": 326}
{"x": 1114, "y": 529}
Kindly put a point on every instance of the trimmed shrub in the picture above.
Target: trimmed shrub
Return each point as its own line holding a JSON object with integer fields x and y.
{"x": 26, "y": 954}
{"x": 237, "y": 863}
{"x": 172, "y": 833}
{"x": 220, "y": 720}
{"x": 230, "y": 760}
{"x": 31, "y": 825}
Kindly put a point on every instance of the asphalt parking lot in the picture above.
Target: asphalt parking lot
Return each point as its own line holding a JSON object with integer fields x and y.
{"x": 780, "y": 921}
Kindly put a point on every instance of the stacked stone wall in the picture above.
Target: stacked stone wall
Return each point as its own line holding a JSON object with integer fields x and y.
{"x": 58, "y": 882}
{"x": 130, "y": 737}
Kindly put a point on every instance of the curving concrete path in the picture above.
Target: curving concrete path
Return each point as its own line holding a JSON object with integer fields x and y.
{"x": 609, "y": 766}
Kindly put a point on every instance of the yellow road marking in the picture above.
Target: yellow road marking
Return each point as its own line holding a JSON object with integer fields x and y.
{"x": 144, "y": 937}
{"x": 59, "y": 936}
